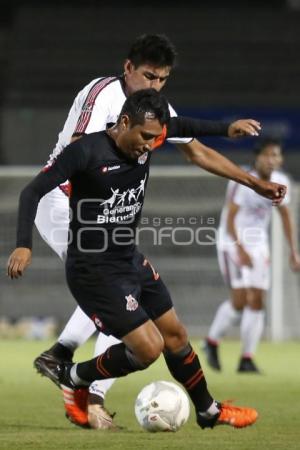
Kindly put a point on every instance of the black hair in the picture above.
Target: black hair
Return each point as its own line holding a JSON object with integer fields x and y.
{"x": 154, "y": 49}
{"x": 143, "y": 102}
{"x": 266, "y": 142}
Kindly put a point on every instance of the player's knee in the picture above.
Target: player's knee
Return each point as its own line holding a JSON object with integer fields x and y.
{"x": 256, "y": 299}
{"x": 151, "y": 351}
{"x": 239, "y": 299}
{"x": 256, "y": 305}
{"x": 176, "y": 339}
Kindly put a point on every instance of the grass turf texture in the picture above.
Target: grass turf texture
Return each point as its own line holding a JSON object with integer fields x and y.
{"x": 32, "y": 415}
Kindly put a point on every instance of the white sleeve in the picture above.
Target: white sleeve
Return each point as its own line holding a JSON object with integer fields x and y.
{"x": 95, "y": 112}
{"x": 231, "y": 189}
{"x": 239, "y": 196}
{"x": 177, "y": 140}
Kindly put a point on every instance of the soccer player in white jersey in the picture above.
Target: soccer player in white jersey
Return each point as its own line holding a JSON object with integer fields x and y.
{"x": 244, "y": 257}
{"x": 149, "y": 64}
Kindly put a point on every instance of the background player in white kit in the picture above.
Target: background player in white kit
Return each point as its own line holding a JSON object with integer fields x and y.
{"x": 244, "y": 256}
{"x": 149, "y": 64}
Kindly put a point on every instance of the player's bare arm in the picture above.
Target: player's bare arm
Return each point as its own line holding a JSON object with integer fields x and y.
{"x": 289, "y": 231}
{"x": 244, "y": 257}
{"x": 214, "y": 162}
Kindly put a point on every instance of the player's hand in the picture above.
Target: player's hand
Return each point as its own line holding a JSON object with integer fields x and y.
{"x": 18, "y": 261}
{"x": 295, "y": 261}
{"x": 273, "y": 191}
{"x": 244, "y": 127}
{"x": 244, "y": 257}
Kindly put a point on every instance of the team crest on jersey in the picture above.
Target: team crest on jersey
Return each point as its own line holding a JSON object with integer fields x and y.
{"x": 143, "y": 158}
{"x": 132, "y": 303}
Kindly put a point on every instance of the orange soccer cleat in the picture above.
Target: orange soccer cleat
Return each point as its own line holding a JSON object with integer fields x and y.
{"x": 235, "y": 416}
{"x": 85, "y": 408}
{"x": 75, "y": 402}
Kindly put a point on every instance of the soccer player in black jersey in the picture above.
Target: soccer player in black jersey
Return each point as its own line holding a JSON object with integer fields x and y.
{"x": 112, "y": 282}
{"x": 149, "y": 63}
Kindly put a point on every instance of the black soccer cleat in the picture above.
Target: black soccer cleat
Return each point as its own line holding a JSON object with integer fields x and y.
{"x": 211, "y": 352}
{"x": 47, "y": 361}
{"x": 247, "y": 365}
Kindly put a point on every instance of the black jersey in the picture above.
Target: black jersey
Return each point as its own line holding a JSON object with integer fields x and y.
{"x": 107, "y": 197}
{"x": 106, "y": 200}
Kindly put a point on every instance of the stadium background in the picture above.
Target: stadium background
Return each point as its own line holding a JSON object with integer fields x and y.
{"x": 238, "y": 61}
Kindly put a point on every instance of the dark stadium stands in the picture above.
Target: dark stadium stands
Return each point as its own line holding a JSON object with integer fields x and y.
{"x": 226, "y": 57}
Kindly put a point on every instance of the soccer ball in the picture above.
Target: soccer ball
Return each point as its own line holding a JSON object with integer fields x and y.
{"x": 162, "y": 406}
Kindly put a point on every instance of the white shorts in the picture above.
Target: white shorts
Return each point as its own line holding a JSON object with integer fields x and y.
{"x": 236, "y": 276}
{"x": 52, "y": 221}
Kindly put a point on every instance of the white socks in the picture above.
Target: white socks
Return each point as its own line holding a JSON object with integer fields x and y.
{"x": 252, "y": 326}
{"x": 77, "y": 331}
{"x": 76, "y": 379}
{"x": 211, "y": 411}
{"x": 226, "y": 316}
{"x": 103, "y": 342}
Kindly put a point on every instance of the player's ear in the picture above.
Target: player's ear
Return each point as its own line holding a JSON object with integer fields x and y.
{"x": 125, "y": 122}
{"x": 128, "y": 67}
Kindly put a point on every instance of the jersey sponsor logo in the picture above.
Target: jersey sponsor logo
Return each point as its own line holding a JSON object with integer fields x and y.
{"x": 105, "y": 169}
{"x": 122, "y": 207}
{"x": 132, "y": 303}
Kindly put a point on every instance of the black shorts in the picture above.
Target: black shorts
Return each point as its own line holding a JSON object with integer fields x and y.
{"x": 118, "y": 294}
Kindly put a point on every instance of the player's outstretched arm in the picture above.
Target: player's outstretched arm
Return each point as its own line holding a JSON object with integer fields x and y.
{"x": 214, "y": 162}
{"x": 189, "y": 127}
{"x": 244, "y": 127}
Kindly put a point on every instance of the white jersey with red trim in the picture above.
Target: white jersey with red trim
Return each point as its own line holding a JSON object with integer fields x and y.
{"x": 253, "y": 217}
{"x": 96, "y": 105}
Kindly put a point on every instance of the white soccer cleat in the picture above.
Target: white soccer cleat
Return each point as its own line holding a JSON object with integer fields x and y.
{"x": 98, "y": 416}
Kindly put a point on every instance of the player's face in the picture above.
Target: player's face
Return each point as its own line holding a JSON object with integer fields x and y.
{"x": 268, "y": 160}
{"x": 144, "y": 77}
{"x": 136, "y": 140}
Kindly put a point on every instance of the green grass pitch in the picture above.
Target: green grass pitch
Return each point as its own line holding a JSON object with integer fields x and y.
{"x": 32, "y": 416}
